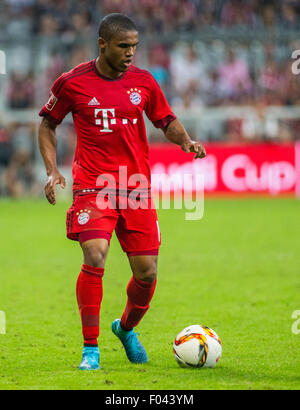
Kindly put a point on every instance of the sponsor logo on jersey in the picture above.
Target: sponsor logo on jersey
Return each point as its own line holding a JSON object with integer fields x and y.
{"x": 109, "y": 118}
{"x": 135, "y": 96}
{"x": 51, "y": 102}
{"x": 94, "y": 101}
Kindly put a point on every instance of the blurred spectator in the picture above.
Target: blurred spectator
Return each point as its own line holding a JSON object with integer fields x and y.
{"x": 80, "y": 24}
{"x": 79, "y": 55}
{"x": 190, "y": 100}
{"x": 5, "y": 156}
{"x": 48, "y": 26}
{"x": 21, "y": 91}
{"x": 236, "y": 14}
{"x": 289, "y": 19}
{"x": 234, "y": 77}
{"x": 271, "y": 82}
{"x": 20, "y": 171}
{"x": 187, "y": 73}
{"x": 269, "y": 17}
{"x": 158, "y": 64}
{"x": 214, "y": 90}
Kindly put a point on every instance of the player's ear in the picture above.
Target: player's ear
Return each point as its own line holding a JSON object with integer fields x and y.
{"x": 101, "y": 43}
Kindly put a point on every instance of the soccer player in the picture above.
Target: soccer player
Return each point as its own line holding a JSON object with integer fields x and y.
{"x": 107, "y": 97}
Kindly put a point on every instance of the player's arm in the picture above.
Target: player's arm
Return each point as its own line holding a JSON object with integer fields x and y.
{"x": 48, "y": 148}
{"x": 176, "y": 133}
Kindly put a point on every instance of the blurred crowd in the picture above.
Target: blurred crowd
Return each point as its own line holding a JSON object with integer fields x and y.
{"x": 191, "y": 74}
{"x": 219, "y": 72}
{"x": 195, "y": 74}
{"x": 71, "y": 17}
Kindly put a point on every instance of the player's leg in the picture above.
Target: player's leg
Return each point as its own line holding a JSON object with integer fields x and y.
{"x": 89, "y": 292}
{"x": 140, "y": 289}
{"x": 89, "y": 287}
{"x": 92, "y": 227}
{"x": 139, "y": 235}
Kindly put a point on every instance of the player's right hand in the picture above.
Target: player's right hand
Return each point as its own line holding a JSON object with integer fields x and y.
{"x": 52, "y": 180}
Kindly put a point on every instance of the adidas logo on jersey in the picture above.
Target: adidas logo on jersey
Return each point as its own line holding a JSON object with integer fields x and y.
{"x": 94, "y": 101}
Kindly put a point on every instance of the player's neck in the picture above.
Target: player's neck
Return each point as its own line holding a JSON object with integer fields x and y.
{"x": 105, "y": 70}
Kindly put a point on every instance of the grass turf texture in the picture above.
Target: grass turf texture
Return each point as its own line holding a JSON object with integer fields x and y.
{"x": 237, "y": 271}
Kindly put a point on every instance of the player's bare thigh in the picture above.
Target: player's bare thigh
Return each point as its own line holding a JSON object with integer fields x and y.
{"x": 95, "y": 252}
{"x": 144, "y": 267}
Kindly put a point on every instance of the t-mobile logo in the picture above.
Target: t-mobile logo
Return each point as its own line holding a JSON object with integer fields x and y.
{"x": 109, "y": 118}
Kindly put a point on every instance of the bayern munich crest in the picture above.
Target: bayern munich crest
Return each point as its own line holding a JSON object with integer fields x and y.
{"x": 83, "y": 216}
{"x": 135, "y": 96}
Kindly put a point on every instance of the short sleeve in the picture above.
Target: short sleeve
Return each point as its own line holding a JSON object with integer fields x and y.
{"x": 59, "y": 103}
{"x": 157, "y": 108}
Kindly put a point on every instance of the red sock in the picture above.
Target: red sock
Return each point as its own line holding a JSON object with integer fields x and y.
{"x": 89, "y": 294}
{"x": 139, "y": 294}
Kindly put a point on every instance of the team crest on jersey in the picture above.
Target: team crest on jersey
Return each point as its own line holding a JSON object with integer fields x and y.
{"x": 51, "y": 102}
{"x": 83, "y": 216}
{"x": 135, "y": 96}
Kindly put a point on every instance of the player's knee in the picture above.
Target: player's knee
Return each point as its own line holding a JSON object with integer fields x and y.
{"x": 147, "y": 273}
{"x": 150, "y": 277}
{"x": 94, "y": 256}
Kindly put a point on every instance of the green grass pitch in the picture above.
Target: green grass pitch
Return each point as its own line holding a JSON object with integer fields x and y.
{"x": 236, "y": 271}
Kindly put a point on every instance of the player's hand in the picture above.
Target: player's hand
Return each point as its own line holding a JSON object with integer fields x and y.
{"x": 196, "y": 147}
{"x": 53, "y": 179}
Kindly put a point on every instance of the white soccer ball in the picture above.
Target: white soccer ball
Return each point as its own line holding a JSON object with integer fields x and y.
{"x": 197, "y": 346}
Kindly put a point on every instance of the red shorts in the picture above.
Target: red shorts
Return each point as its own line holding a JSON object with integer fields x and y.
{"x": 137, "y": 229}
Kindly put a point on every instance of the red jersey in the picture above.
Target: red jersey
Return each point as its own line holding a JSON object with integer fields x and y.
{"x": 108, "y": 117}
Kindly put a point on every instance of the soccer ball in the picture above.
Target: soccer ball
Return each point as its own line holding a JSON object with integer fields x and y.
{"x": 197, "y": 346}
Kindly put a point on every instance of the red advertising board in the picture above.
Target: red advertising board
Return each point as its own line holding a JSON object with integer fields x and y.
{"x": 272, "y": 169}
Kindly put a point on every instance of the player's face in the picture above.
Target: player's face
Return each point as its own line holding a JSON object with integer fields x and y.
{"x": 119, "y": 51}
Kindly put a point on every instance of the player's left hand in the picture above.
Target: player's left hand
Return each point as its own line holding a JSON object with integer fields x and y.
{"x": 196, "y": 147}
{"x": 54, "y": 179}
